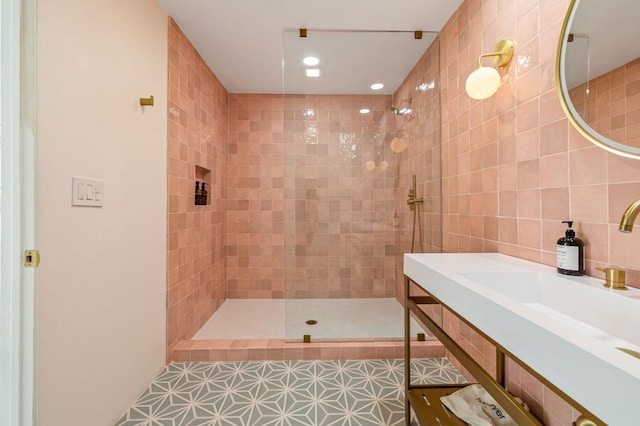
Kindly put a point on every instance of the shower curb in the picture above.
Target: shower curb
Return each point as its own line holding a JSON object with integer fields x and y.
{"x": 280, "y": 349}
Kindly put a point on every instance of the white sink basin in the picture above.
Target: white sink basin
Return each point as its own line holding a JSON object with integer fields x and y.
{"x": 603, "y": 315}
{"x": 569, "y": 329}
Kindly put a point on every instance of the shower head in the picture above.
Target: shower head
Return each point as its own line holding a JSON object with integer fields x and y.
{"x": 400, "y": 111}
{"x": 404, "y": 110}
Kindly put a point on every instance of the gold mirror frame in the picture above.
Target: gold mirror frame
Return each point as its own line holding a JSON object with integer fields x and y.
{"x": 574, "y": 118}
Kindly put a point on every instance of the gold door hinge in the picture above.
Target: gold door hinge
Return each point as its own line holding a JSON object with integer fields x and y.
{"x": 31, "y": 258}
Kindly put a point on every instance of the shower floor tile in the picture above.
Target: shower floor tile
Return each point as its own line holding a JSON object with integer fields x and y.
{"x": 286, "y": 319}
{"x": 265, "y": 393}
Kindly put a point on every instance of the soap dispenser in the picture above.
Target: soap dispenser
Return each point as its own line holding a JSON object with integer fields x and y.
{"x": 570, "y": 252}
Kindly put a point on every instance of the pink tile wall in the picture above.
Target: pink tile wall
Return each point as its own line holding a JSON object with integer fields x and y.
{"x": 255, "y": 197}
{"x": 422, "y": 158}
{"x": 291, "y": 185}
{"x": 197, "y": 137}
{"x": 513, "y": 167}
{"x": 612, "y": 104}
{"x": 338, "y": 216}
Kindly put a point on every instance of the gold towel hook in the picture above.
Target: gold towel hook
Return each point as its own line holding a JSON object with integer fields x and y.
{"x": 147, "y": 101}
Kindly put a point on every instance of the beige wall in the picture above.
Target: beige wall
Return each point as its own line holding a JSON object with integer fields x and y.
{"x": 101, "y": 284}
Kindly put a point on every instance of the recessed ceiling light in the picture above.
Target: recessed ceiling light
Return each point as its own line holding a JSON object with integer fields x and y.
{"x": 312, "y": 72}
{"x": 311, "y": 60}
{"x": 365, "y": 111}
{"x": 377, "y": 86}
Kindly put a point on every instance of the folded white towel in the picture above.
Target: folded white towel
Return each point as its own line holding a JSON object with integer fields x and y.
{"x": 474, "y": 405}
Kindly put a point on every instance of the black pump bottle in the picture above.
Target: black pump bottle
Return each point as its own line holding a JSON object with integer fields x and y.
{"x": 570, "y": 252}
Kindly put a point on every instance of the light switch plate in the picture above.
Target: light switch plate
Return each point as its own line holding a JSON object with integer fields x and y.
{"x": 87, "y": 192}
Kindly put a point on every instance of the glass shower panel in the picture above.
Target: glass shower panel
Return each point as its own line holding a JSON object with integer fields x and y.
{"x": 340, "y": 217}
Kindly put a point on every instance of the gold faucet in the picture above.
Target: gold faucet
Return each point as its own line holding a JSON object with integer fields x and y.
{"x": 629, "y": 217}
{"x": 614, "y": 278}
{"x": 412, "y": 201}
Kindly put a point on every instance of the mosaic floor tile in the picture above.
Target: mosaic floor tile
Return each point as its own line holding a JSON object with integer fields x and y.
{"x": 282, "y": 393}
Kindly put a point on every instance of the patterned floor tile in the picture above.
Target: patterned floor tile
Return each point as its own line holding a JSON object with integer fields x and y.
{"x": 282, "y": 393}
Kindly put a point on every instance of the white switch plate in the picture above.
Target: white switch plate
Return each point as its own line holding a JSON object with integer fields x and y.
{"x": 87, "y": 192}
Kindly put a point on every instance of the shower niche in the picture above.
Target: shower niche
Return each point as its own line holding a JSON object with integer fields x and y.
{"x": 202, "y": 186}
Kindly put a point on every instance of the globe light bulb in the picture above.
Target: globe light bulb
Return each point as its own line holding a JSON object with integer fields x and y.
{"x": 482, "y": 83}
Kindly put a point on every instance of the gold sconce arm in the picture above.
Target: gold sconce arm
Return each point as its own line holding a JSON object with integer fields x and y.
{"x": 503, "y": 54}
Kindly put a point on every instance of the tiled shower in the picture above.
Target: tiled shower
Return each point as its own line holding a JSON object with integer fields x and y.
{"x": 293, "y": 211}
{"x": 302, "y": 209}
{"x": 196, "y": 242}
{"x": 338, "y": 214}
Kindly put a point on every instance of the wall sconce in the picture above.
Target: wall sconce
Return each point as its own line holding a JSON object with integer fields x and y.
{"x": 485, "y": 81}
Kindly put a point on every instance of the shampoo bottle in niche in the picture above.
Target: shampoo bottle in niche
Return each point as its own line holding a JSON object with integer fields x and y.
{"x": 204, "y": 194}
{"x": 570, "y": 252}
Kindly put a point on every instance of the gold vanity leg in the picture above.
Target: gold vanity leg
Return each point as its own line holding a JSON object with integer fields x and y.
{"x": 407, "y": 353}
{"x": 501, "y": 366}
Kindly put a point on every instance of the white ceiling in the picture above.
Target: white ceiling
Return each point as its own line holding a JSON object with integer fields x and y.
{"x": 351, "y": 61}
{"x": 242, "y": 40}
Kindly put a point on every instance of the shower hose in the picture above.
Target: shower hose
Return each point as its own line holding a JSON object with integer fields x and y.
{"x": 416, "y": 213}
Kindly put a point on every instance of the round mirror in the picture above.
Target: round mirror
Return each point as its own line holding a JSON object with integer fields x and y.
{"x": 598, "y": 72}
